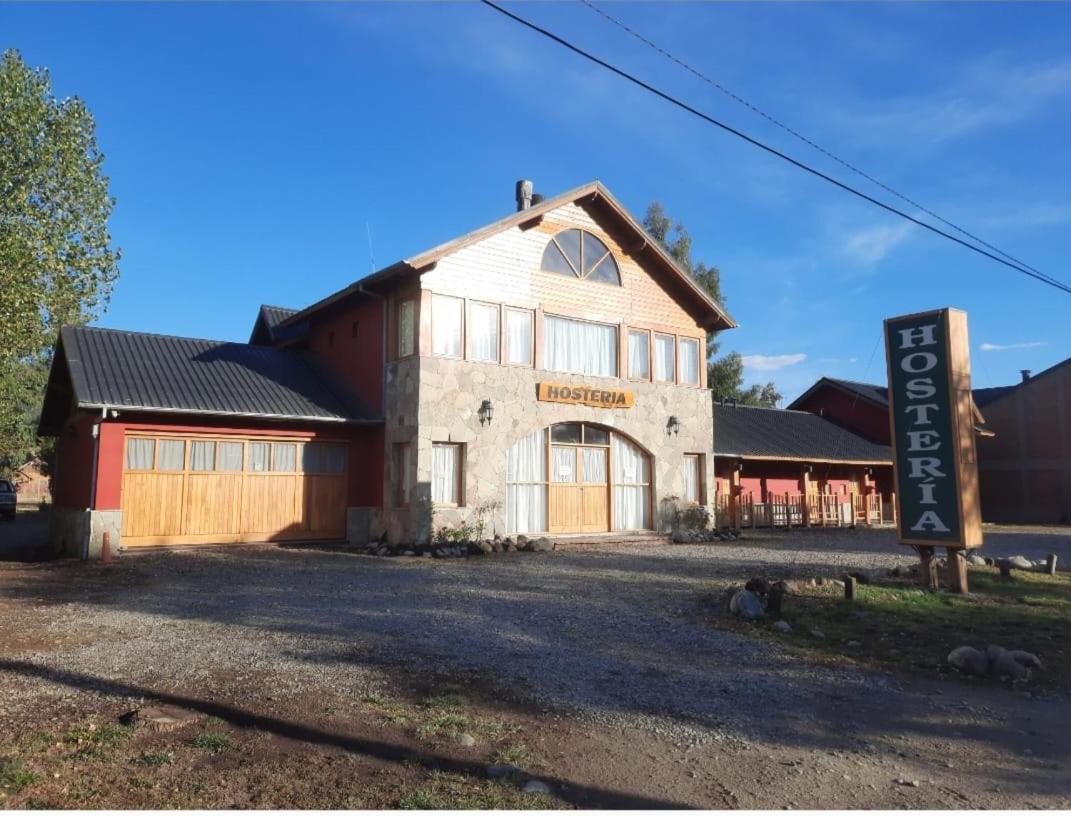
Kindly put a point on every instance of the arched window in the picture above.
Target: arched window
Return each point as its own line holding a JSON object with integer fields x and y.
{"x": 582, "y": 255}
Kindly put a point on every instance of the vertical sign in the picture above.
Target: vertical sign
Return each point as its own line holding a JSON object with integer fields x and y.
{"x": 932, "y": 421}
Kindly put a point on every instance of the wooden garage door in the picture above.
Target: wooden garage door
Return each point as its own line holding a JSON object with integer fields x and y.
{"x": 205, "y": 489}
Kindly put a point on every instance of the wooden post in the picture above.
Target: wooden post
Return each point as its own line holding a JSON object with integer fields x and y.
{"x": 928, "y": 571}
{"x": 851, "y": 585}
{"x": 805, "y": 483}
{"x": 957, "y": 570}
{"x": 892, "y": 506}
{"x": 1050, "y": 564}
{"x": 1005, "y": 569}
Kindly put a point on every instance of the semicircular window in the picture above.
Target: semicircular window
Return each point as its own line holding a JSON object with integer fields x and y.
{"x": 582, "y": 255}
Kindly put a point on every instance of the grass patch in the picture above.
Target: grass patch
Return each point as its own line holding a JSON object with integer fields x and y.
{"x": 14, "y": 776}
{"x": 212, "y": 743}
{"x": 903, "y": 626}
{"x": 446, "y": 723}
{"x": 154, "y": 759}
{"x": 445, "y": 791}
{"x": 98, "y": 742}
{"x": 512, "y": 753}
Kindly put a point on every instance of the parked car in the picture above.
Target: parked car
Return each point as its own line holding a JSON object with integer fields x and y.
{"x": 8, "y": 498}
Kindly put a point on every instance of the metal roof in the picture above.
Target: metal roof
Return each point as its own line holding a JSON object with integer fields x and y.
{"x": 158, "y": 373}
{"x": 777, "y": 433}
{"x": 268, "y": 329}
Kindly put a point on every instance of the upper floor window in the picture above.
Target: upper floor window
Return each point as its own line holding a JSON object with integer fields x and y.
{"x": 406, "y": 328}
{"x": 689, "y": 359}
{"x": 446, "y": 325}
{"x": 483, "y": 332}
{"x": 579, "y": 347}
{"x": 519, "y": 336}
{"x": 582, "y": 255}
{"x": 665, "y": 362}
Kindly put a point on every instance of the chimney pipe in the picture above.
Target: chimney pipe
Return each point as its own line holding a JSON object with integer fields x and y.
{"x": 1026, "y": 374}
{"x": 524, "y": 194}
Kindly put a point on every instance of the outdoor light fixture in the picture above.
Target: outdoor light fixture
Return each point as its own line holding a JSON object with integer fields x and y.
{"x": 673, "y": 426}
{"x": 487, "y": 412}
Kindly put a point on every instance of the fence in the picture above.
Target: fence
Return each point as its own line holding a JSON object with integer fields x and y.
{"x": 799, "y": 510}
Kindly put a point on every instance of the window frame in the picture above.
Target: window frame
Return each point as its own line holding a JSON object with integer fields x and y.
{"x": 650, "y": 351}
{"x": 459, "y": 477}
{"x": 399, "y": 345}
{"x": 531, "y": 313}
{"x": 673, "y": 368}
{"x": 700, "y": 479}
{"x": 579, "y": 273}
{"x": 466, "y": 330}
{"x": 699, "y": 345}
{"x": 435, "y": 296}
{"x": 616, "y": 357}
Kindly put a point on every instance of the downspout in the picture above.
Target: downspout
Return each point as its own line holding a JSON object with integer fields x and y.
{"x": 93, "y": 482}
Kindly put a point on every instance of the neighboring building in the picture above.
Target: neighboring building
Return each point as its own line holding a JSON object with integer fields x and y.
{"x": 1023, "y": 440}
{"x": 31, "y": 483}
{"x": 543, "y": 373}
{"x": 775, "y": 455}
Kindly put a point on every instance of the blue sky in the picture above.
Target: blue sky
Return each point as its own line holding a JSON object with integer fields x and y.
{"x": 254, "y": 148}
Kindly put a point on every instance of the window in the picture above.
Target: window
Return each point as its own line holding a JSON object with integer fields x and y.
{"x": 578, "y": 347}
{"x": 664, "y": 360}
{"x": 317, "y": 457}
{"x": 202, "y": 455}
{"x": 406, "y": 328}
{"x": 639, "y": 355}
{"x": 401, "y": 473}
{"x": 483, "y": 332}
{"x": 283, "y": 457}
{"x": 230, "y": 456}
{"x": 446, "y": 473}
{"x": 171, "y": 455}
{"x": 446, "y": 325}
{"x": 140, "y": 454}
{"x": 580, "y": 254}
{"x": 693, "y": 478}
{"x": 519, "y": 337}
{"x": 689, "y": 356}
{"x": 258, "y": 456}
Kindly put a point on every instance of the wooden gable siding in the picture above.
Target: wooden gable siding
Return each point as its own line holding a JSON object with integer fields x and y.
{"x": 505, "y": 268}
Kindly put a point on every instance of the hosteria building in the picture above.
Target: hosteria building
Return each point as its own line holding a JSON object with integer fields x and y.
{"x": 542, "y": 373}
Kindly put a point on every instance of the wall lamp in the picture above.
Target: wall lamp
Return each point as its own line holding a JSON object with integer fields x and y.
{"x": 673, "y": 426}
{"x": 486, "y": 412}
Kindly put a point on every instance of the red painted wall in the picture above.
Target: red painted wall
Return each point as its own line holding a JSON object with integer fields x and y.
{"x": 764, "y": 477}
{"x": 74, "y": 463}
{"x": 858, "y": 415}
{"x": 358, "y": 360}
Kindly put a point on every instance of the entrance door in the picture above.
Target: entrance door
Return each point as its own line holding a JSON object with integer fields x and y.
{"x": 595, "y": 491}
{"x": 579, "y": 480}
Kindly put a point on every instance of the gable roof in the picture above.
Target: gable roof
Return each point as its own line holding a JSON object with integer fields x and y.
{"x": 268, "y": 329}
{"x": 107, "y": 368}
{"x": 778, "y": 433}
{"x": 874, "y": 394}
{"x": 713, "y": 315}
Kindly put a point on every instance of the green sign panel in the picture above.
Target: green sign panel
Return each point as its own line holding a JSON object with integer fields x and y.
{"x": 924, "y": 428}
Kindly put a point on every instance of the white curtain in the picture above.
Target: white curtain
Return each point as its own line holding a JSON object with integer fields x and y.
{"x": 563, "y": 465}
{"x": 577, "y": 347}
{"x": 632, "y": 489}
{"x": 691, "y": 478}
{"x": 202, "y": 455}
{"x": 526, "y": 491}
{"x": 444, "y": 465}
{"x": 689, "y": 361}
{"x": 639, "y": 364}
{"x": 518, "y": 337}
{"x": 594, "y": 465}
{"x": 258, "y": 457}
{"x": 230, "y": 456}
{"x": 663, "y": 359}
{"x": 483, "y": 332}
{"x": 446, "y": 325}
{"x": 139, "y": 453}
{"x": 172, "y": 454}
{"x": 284, "y": 457}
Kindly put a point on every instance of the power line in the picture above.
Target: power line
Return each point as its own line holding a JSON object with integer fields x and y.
{"x": 844, "y": 163}
{"x": 1043, "y": 278}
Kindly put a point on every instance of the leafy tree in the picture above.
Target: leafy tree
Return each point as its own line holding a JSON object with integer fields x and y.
{"x": 725, "y": 376}
{"x": 57, "y": 265}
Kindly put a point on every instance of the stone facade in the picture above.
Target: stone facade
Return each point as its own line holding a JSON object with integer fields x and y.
{"x": 80, "y": 533}
{"x": 436, "y": 399}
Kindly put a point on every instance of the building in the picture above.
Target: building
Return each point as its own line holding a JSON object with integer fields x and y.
{"x": 542, "y": 373}
{"x": 776, "y": 467}
{"x": 1023, "y": 439}
{"x": 32, "y": 484}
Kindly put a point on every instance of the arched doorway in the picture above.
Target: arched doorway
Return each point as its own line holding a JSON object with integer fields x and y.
{"x": 577, "y": 477}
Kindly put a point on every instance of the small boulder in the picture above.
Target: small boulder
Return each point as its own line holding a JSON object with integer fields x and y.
{"x": 747, "y": 605}
{"x": 968, "y": 660}
{"x": 760, "y": 586}
{"x": 1027, "y": 659}
{"x": 466, "y": 740}
{"x": 542, "y": 544}
{"x": 818, "y": 633}
{"x": 1018, "y": 562}
{"x": 522, "y": 541}
{"x": 680, "y": 537}
{"x": 535, "y": 786}
{"x": 976, "y": 560}
{"x": 782, "y": 626}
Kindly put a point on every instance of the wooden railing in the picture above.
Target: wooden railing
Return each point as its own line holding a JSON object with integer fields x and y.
{"x": 797, "y": 510}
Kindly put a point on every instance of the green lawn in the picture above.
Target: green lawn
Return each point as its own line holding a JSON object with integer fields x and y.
{"x": 899, "y": 625}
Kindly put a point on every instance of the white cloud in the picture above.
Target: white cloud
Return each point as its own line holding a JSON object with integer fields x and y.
{"x": 871, "y": 244}
{"x": 763, "y": 362}
{"x": 837, "y": 360}
{"x": 1009, "y": 346}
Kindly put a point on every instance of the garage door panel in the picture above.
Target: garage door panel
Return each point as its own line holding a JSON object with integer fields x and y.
{"x": 326, "y": 504}
{"x": 272, "y": 505}
{"x": 213, "y": 503}
{"x": 152, "y": 504}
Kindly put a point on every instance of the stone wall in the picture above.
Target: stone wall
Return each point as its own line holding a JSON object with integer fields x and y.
{"x": 450, "y": 393}
{"x": 80, "y": 533}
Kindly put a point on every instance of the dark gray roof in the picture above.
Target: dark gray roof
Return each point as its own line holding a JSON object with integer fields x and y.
{"x": 777, "y": 433}
{"x": 152, "y": 372}
{"x": 267, "y": 330}
{"x": 984, "y": 396}
{"x": 877, "y": 394}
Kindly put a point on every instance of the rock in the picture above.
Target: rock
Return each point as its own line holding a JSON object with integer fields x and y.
{"x": 775, "y": 600}
{"x": 1018, "y": 562}
{"x": 908, "y": 783}
{"x": 409, "y": 553}
{"x": 818, "y": 633}
{"x": 853, "y": 644}
{"x": 426, "y": 554}
{"x": 1002, "y": 664}
{"x": 782, "y": 626}
{"x": 502, "y": 771}
{"x": 159, "y": 718}
{"x": 747, "y": 605}
{"x": 466, "y": 740}
{"x": 522, "y": 540}
{"x": 500, "y": 546}
{"x": 485, "y": 547}
{"x": 760, "y": 586}
{"x": 535, "y": 786}
{"x": 542, "y": 544}
{"x": 976, "y": 560}
{"x": 968, "y": 660}
{"x": 680, "y": 537}
{"x": 1031, "y": 661}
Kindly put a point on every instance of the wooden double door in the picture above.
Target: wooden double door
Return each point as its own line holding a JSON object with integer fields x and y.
{"x": 579, "y": 500}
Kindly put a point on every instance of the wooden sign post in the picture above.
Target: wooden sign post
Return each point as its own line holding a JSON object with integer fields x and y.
{"x": 931, "y": 415}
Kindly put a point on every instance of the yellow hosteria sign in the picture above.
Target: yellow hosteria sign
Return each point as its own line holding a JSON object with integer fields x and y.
{"x": 585, "y": 395}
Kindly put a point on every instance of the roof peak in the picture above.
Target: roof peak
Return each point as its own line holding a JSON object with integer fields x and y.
{"x": 153, "y": 334}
